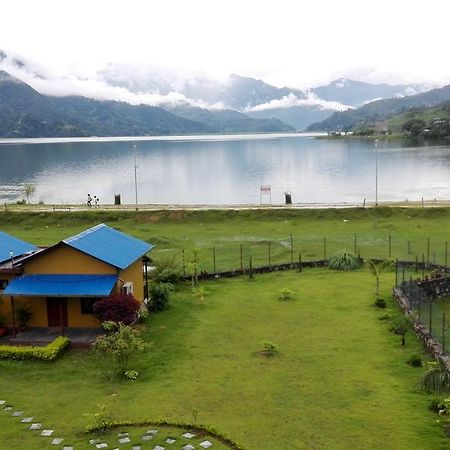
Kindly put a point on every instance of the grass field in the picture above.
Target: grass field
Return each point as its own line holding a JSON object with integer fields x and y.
{"x": 340, "y": 379}
{"x": 414, "y": 232}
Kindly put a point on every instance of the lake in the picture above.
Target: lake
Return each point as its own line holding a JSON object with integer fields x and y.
{"x": 217, "y": 170}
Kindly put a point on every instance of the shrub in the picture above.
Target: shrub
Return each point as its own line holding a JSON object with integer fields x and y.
{"x": 439, "y": 406}
{"x": 385, "y": 316}
{"x": 436, "y": 380}
{"x": 286, "y": 294}
{"x": 167, "y": 275}
{"x": 121, "y": 344}
{"x": 415, "y": 361}
{"x": 380, "y": 303}
{"x": 159, "y": 296}
{"x": 47, "y": 353}
{"x": 269, "y": 348}
{"x": 121, "y": 308}
{"x": 200, "y": 293}
{"x": 344, "y": 261}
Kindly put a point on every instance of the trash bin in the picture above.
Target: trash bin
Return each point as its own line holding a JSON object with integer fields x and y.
{"x": 117, "y": 199}
{"x": 288, "y": 198}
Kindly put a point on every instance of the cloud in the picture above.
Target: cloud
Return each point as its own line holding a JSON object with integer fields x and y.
{"x": 288, "y": 101}
{"x": 95, "y": 86}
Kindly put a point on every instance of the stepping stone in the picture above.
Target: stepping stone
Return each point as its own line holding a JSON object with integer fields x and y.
{"x": 47, "y": 433}
{"x": 102, "y": 445}
{"x": 17, "y": 414}
{"x": 136, "y": 447}
{"x": 121, "y": 435}
{"x": 151, "y": 431}
{"x": 124, "y": 440}
{"x": 2, "y": 402}
{"x": 67, "y": 448}
{"x": 170, "y": 440}
{"x": 188, "y": 447}
{"x": 7, "y": 408}
{"x": 57, "y": 441}
{"x": 35, "y": 426}
{"x": 205, "y": 444}
{"x": 27, "y": 420}
{"x": 188, "y": 435}
{"x": 147, "y": 437}
{"x": 93, "y": 441}
{"x": 158, "y": 447}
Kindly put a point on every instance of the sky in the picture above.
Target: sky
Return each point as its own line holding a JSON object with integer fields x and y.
{"x": 284, "y": 42}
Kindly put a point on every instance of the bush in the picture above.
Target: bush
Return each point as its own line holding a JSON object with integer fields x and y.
{"x": 415, "y": 361}
{"x": 159, "y": 296}
{"x": 167, "y": 275}
{"x": 439, "y": 406}
{"x": 380, "y": 303}
{"x": 286, "y": 294}
{"x": 47, "y": 353}
{"x": 121, "y": 308}
{"x": 270, "y": 349}
{"x": 344, "y": 261}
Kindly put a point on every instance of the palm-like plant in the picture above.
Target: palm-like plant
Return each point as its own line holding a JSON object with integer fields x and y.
{"x": 344, "y": 261}
{"x": 376, "y": 268}
{"x": 436, "y": 381}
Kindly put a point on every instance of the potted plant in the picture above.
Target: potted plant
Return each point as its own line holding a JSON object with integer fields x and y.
{"x": 23, "y": 315}
{"x": 3, "y": 329}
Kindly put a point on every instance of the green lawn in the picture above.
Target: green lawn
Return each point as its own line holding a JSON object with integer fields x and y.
{"x": 340, "y": 380}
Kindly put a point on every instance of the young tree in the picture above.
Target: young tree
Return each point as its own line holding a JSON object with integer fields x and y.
{"x": 29, "y": 190}
{"x": 376, "y": 268}
{"x": 120, "y": 344}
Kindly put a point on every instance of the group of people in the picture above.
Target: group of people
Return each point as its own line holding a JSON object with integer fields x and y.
{"x": 90, "y": 200}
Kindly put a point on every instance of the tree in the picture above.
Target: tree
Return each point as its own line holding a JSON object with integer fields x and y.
{"x": 120, "y": 344}
{"x": 29, "y": 190}
{"x": 376, "y": 268}
{"x": 121, "y": 308}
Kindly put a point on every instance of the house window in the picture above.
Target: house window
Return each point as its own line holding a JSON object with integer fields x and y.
{"x": 87, "y": 305}
{"x": 3, "y": 284}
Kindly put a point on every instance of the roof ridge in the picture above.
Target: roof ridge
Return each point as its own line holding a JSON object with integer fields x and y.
{"x": 84, "y": 233}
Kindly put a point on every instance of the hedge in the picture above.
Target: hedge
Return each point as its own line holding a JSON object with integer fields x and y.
{"x": 47, "y": 353}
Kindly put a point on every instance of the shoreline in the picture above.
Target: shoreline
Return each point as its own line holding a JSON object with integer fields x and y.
{"x": 433, "y": 203}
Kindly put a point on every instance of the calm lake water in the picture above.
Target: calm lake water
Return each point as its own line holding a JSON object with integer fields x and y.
{"x": 222, "y": 169}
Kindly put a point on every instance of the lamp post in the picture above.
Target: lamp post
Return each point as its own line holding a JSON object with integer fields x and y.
{"x": 376, "y": 172}
{"x": 135, "y": 176}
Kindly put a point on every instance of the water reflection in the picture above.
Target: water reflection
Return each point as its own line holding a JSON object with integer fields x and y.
{"x": 224, "y": 170}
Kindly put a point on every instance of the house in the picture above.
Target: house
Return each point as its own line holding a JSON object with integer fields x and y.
{"x": 60, "y": 284}
{"x": 12, "y": 250}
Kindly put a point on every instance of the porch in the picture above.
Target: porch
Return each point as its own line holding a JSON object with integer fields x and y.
{"x": 39, "y": 336}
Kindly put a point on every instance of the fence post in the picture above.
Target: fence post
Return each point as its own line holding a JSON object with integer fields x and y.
{"x": 242, "y": 262}
{"x": 268, "y": 244}
{"x": 250, "y": 268}
{"x": 390, "y": 245}
{"x": 292, "y": 249}
{"x": 214, "y": 259}
{"x": 409, "y": 247}
{"x": 443, "y": 332}
{"x": 403, "y": 273}
{"x": 300, "y": 262}
{"x": 184, "y": 262}
{"x": 428, "y": 253}
{"x": 324, "y": 247}
{"x": 423, "y": 266}
{"x": 446, "y": 254}
{"x": 430, "y": 310}
{"x": 396, "y": 272}
{"x": 416, "y": 264}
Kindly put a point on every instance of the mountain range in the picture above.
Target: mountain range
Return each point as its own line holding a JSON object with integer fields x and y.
{"x": 154, "y": 102}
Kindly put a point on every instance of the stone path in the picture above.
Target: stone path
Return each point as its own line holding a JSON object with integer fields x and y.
{"x": 181, "y": 441}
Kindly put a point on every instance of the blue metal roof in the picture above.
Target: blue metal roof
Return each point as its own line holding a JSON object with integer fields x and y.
{"x": 9, "y": 243}
{"x": 58, "y": 285}
{"x": 109, "y": 245}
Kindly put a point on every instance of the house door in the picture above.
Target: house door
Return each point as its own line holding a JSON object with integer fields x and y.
{"x": 56, "y": 306}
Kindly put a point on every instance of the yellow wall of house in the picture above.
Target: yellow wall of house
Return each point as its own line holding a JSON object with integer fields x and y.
{"x": 134, "y": 274}
{"x": 65, "y": 259}
{"x": 38, "y": 306}
{"x": 5, "y": 310}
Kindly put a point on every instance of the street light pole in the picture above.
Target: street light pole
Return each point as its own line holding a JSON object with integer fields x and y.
{"x": 135, "y": 176}
{"x": 376, "y": 172}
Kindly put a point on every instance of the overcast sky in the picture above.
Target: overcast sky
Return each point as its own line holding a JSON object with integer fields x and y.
{"x": 285, "y": 42}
